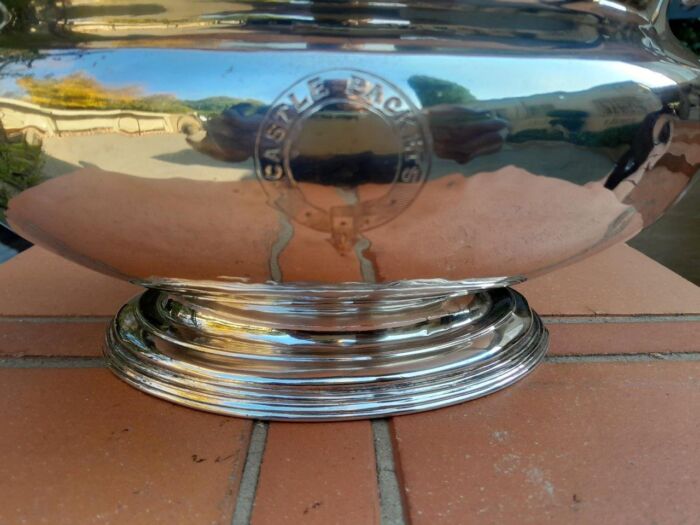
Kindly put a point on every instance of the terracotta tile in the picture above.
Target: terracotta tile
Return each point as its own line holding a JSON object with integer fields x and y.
{"x": 575, "y": 443}
{"x": 624, "y": 338}
{"x": 44, "y": 338}
{"x": 318, "y": 473}
{"x": 618, "y": 281}
{"x": 81, "y": 447}
{"x": 40, "y": 283}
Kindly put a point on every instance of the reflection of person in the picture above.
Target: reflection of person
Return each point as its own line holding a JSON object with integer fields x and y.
{"x": 231, "y": 135}
{"x": 461, "y": 134}
{"x": 650, "y": 142}
{"x": 458, "y": 133}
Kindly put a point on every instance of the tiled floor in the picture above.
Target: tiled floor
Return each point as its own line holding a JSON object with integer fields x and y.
{"x": 606, "y": 431}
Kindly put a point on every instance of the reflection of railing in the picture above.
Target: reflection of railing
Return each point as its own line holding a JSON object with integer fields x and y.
{"x": 34, "y": 122}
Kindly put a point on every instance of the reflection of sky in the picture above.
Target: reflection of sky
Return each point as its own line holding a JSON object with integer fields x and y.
{"x": 193, "y": 75}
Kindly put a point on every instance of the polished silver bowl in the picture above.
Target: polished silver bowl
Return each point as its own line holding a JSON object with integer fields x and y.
{"x": 327, "y": 200}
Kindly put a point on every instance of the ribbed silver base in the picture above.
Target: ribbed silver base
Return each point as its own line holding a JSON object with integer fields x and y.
{"x": 325, "y": 354}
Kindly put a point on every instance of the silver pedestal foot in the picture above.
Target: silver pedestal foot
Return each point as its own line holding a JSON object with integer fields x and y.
{"x": 326, "y": 354}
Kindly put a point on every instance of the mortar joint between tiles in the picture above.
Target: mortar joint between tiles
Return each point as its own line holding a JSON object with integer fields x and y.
{"x": 390, "y": 500}
{"x": 245, "y": 500}
{"x": 651, "y": 357}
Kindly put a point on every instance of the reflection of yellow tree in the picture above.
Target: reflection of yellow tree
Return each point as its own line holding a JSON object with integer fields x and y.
{"x": 79, "y": 91}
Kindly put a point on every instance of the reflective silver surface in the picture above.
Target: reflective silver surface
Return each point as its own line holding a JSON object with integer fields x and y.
{"x": 336, "y": 355}
{"x": 200, "y": 148}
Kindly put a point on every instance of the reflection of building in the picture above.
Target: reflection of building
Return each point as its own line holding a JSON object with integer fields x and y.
{"x": 34, "y": 122}
{"x": 600, "y": 108}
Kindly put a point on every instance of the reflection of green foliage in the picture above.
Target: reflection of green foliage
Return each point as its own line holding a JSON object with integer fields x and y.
{"x": 22, "y": 15}
{"x": 27, "y": 28}
{"x": 609, "y": 138}
{"x": 433, "y": 91}
{"x": 217, "y": 105}
{"x": 528, "y": 135}
{"x": 688, "y": 32}
{"x": 16, "y": 56}
{"x": 571, "y": 120}
{"x": 20, "y": 168}
{"x": 157, "y": 104}
{"x": 131, "y": 10}
{"x": 80, "y": 91}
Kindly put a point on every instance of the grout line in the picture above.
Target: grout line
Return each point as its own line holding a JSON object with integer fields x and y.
{"x": 548, "y": 319}
{"x": 49, "y": 320}
{"x": 624, "y": 358}
{"x": 245, "y": 500}
{"x": 390, "y": 501}
{"x": 612, "y": 319}
{"x": 52, "y": 362}
{"x": 101, "y": 362}
{"x": 284, "y": 237}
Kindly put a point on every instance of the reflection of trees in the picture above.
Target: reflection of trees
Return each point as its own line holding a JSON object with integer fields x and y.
{"x": 128, "y": 10}
{"x": 22, "y": 13}
{"x": 212, "y": 106}
{"x": 80, "y": 91}
{"x": 20, "y": 168}
{"x": 433, "y": 91}
{"x": 20, "y": 18}
{"x": 20, "y": 163}
{"x": 571, "y": 120}
{"x": 608, "y": 138}
{"x": 688, "y": 32}
{"x": 17, "y": 56}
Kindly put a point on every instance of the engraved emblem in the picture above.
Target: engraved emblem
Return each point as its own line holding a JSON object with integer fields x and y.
{"x": 342, "y": 151}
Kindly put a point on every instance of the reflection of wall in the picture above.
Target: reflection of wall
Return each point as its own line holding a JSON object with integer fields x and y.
{"x": 35, "y": 122}
{"x": 609, "y": 106}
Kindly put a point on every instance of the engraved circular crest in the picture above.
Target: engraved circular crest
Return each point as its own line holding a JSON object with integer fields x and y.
{"x": 342, "y": 151}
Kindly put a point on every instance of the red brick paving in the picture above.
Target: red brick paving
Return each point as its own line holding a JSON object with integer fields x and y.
{"x": 575, "y": 442}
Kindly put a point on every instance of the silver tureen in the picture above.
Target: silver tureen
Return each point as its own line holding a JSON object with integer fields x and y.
{"x": 327, "y": 201}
